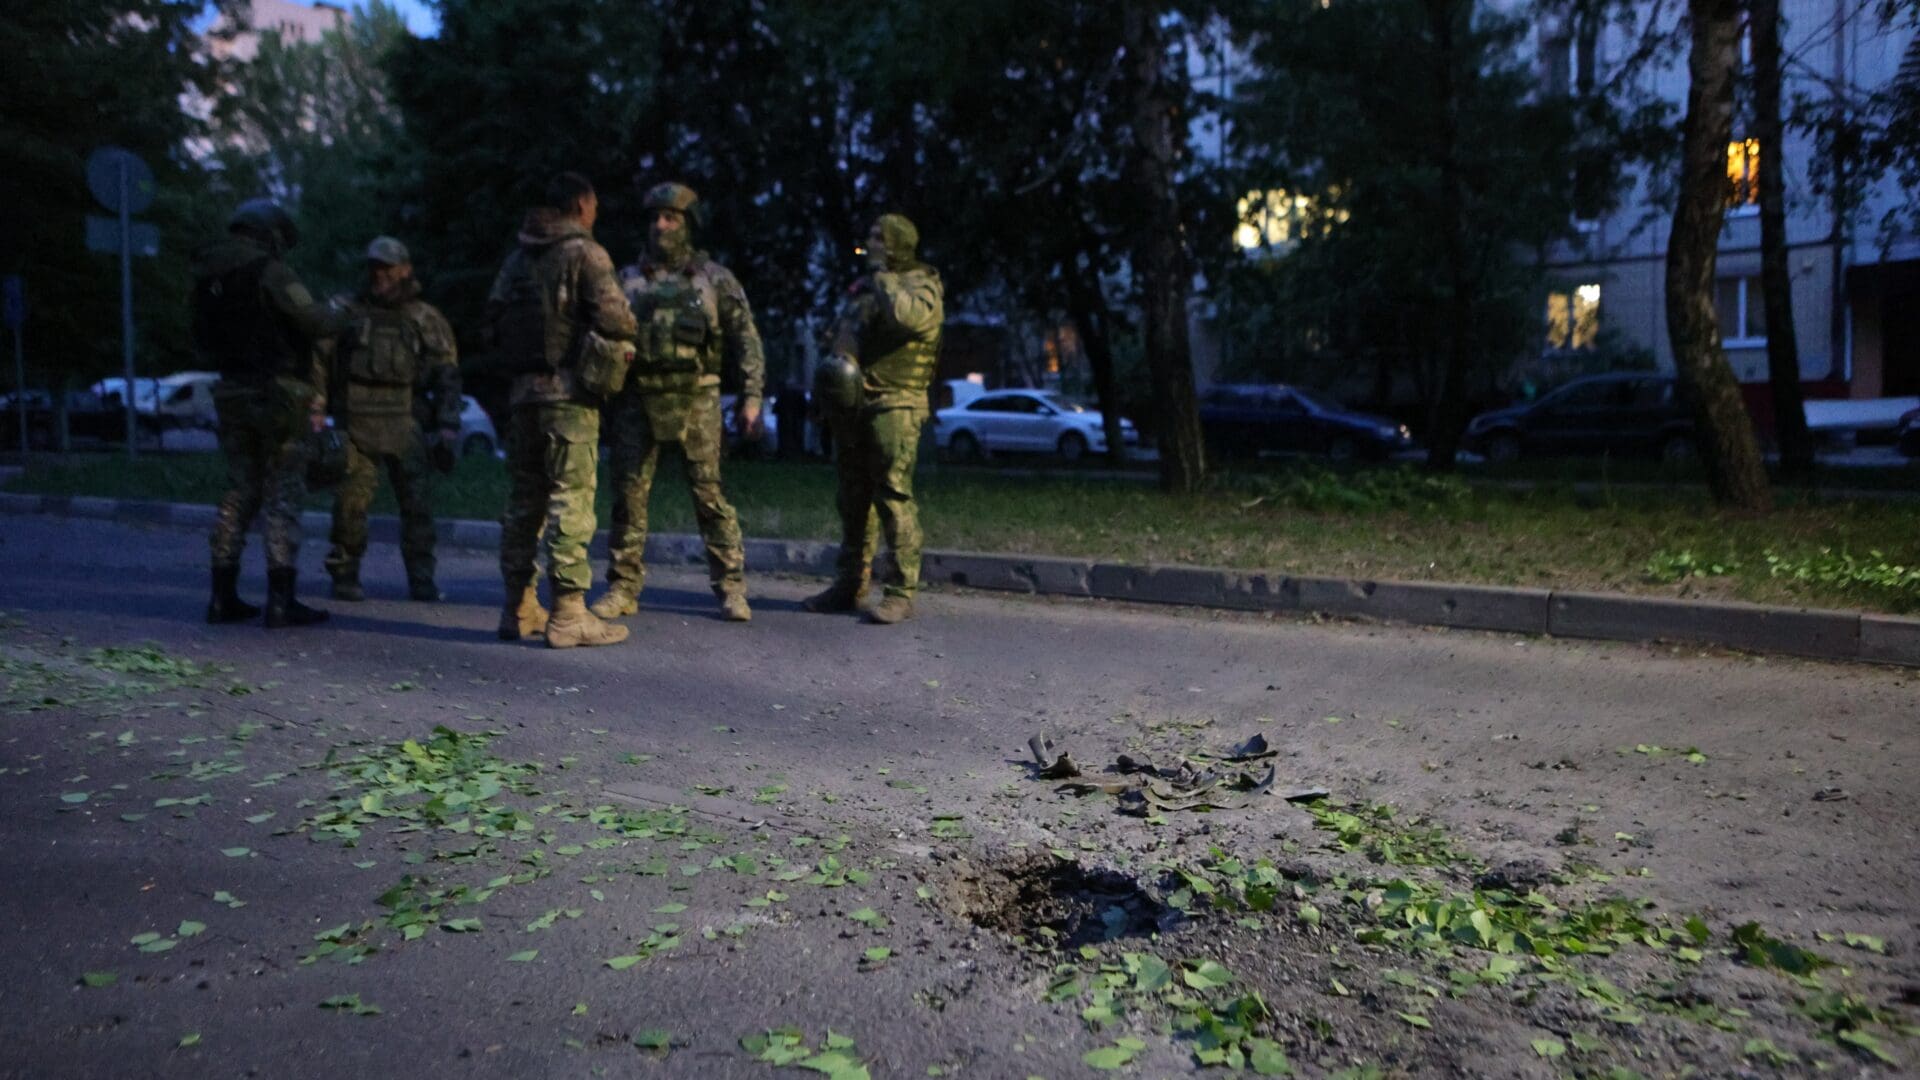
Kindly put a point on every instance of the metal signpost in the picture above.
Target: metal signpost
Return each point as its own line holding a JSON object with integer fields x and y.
{"x": 123, "y": 184}
{"x": 13, "y": 307}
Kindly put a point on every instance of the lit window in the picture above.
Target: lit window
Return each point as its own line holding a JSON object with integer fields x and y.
{"x": 1276, "y": 218}
{"x": 1743, "y": 174}
{"x": 1573, "y": 318}
{"x": 1742, "y": 309}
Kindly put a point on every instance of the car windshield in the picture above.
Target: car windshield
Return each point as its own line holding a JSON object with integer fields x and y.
{"x": 1070, "y": 404}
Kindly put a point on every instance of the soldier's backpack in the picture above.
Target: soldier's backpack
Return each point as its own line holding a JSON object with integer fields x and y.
{"x": 530, "y": 338}
{"x": 233, "y": 326}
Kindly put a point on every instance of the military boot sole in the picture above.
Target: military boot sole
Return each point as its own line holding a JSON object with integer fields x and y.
{"x": 230, "y": 611}
{"x": 615, "y": 605}
{"x": 887, "y": 612}
{"x": 831, "y": 603}
{"x": 301, "y": 616}
{"x": 585, "y": 636}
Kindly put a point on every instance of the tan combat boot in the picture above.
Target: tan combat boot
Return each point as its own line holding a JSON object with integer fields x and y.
{"x": 837, "y": 598}
{"x": 890, "y": 610}
{"x": 733, "y": 607}
{"x": 618, "y": 603}
{"x": 523, "y": 617}
{"x": 572, "y": 624}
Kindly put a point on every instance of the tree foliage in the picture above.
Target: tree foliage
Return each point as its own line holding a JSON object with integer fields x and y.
{"x": 313, "y": 124}
{"x": 1417, "y": 173}
{"x": 81, "y": 74}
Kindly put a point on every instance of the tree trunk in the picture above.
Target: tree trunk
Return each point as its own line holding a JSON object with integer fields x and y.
{"x": 1159, "y": 258}
{"x": 1089, "y": 313}
{"x": 1449, "y": 413}
{"x": 1731, "y": 454}
{"x": 1783, "y": 350}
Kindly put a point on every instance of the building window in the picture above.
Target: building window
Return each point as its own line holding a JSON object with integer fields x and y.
{"x": 1573, "y": 318}
{"x": 1275, "y": 218}
{"x": 1743, "y": 312}
{"x": 1743, "y": 176}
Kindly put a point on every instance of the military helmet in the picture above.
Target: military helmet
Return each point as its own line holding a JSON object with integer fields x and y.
{"x": 268, "y": 219}
{"x": 671, "y": 196}
{"x": 387, "y": 250}
{"x": 836, "y": 383}
{"x": 326, "y": 458}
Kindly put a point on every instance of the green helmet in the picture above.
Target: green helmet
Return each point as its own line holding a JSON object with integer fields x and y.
{"x": 266, "y": 219}
{"x": 326, "y": 458}
{"x": 836, "y": 383}
{"x": 671, "y": 196}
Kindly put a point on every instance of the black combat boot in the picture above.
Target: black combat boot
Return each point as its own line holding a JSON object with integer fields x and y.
{"x": 226, "y": 605}
{"x": 282, "y": 608}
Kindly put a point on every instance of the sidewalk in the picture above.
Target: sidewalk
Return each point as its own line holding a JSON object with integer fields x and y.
{"x": 1810, "y": 632}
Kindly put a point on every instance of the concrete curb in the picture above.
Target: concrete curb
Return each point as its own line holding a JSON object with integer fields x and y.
{"x": 1810, "y": 632}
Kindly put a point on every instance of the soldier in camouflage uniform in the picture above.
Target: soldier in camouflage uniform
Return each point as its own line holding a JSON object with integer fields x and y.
{"x": 256, "y": 324}
{"x": 890, "y": 327}
{"x": 693, "y": 318}
{"x": 396, "y": 377}
{"x": 554, "y": 304}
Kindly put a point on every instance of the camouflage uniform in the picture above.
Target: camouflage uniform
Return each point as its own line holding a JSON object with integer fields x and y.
{"x": 891, "y": 328}
{"x": 256, "y": 324}
{"x": 694, "y": 317}
{"x": 554, "y": 435}
{"x": 396, "y": 379}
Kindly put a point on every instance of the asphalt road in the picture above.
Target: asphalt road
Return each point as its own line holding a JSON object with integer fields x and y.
{"x": 809, "y": 746}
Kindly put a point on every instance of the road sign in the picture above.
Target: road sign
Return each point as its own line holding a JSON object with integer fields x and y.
{"x": 13, "y": 301}
{"x": 103, "y": 234}
{"x": 104, "y": 167}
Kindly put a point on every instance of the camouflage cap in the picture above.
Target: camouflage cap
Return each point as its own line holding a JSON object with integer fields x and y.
{"x": 670, "y": 196}
{"x": 387, "y": 250}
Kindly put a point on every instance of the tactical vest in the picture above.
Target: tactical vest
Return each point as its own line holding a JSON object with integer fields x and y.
{"x": 536, "y": 330}
{"x": 892, "y": 358}
{"x": 680, "y": 338}
{"x": 382, "y": 362}
{"x": 237, "y": 330}
{"x": 906, "y": 367}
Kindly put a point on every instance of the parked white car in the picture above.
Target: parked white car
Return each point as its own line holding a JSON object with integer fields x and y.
{"x": 1026, "y": 421}
{"x": 183, "y": 400}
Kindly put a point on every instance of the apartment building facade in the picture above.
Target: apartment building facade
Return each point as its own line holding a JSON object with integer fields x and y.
{"x": 1856, "y": 287}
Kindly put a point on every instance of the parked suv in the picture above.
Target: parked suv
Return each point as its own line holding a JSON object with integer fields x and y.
{"x": 1619, "y": 413}
{"x": 1240, "y": 420}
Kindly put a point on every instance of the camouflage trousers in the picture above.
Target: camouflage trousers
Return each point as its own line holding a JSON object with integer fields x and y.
{"x": 553, "y": 450}
{"x": 263, "y": 435}
{"x": 410, "y": 473}
{"x": 638, "y": 428}
{"x": 874, "y": 457}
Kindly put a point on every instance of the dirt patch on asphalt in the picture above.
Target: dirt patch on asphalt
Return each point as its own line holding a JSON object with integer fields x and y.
{"x": 1042, "y": 899}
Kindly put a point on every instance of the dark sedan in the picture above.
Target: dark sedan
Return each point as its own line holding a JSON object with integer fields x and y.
{"x": 1250, "y": 420}
{"x": 1621, "y": 413}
